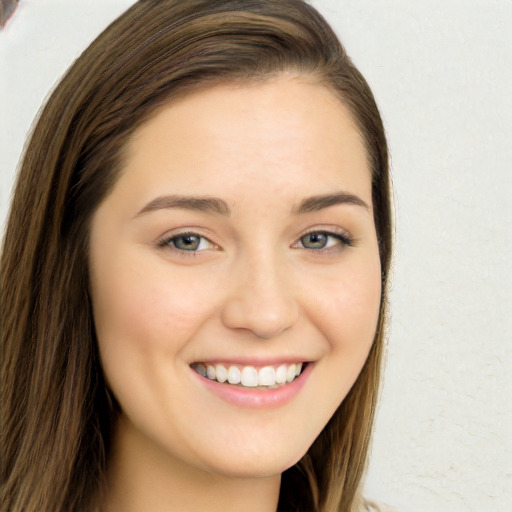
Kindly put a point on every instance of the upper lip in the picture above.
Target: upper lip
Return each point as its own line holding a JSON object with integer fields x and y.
{"x": 245, "y": 361}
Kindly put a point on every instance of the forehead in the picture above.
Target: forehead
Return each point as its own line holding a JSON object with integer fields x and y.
{"x": 269, "y": 135}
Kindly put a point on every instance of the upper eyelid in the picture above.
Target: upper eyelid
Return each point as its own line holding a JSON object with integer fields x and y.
{"x": 165, "y": 240}
{"x": 328, "y": 230}
{"x": 173, "y": 233}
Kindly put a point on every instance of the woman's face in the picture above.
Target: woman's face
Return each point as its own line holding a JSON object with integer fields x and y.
{"x": 238, "y": 244}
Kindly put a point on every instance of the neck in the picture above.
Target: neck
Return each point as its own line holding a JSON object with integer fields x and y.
{"x": 142, "y": 476}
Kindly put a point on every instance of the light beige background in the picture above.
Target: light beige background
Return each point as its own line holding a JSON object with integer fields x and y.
{"x": 441, "y": 72}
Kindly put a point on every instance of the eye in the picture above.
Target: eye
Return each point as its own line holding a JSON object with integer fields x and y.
{"x": 187, "y": 242}
{"x": 318, "y": 240}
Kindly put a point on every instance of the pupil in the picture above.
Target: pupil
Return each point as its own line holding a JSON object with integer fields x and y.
{"x": 187, "y": 242}
{"x": 315, "y": 240}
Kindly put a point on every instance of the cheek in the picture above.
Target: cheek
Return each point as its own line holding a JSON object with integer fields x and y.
{"x": 348, "y": 307}
{"x": 146, "y": 317}
{"x": 143, "y": 310}
{"x": 350, "y": 322}
{"x": 360, "y": 300}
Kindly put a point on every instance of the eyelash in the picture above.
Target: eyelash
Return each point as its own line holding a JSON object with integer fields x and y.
{"x": 168, "y": 242}
{"x": 344, "y": 239}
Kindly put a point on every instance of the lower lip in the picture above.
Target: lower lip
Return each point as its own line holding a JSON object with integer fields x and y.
{"x": 257, "y": 398}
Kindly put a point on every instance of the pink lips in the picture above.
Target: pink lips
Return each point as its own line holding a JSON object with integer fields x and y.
{"x": 253, "y": 397}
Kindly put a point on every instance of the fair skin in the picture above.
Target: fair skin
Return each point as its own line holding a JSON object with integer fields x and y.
{"x": 254, "y": 273}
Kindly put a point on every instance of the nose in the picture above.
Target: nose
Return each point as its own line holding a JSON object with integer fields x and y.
{"x": 261, "y": 300}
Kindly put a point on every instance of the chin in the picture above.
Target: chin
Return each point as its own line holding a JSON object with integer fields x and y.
{"x": 254, "y": 468}
{"x": 256, "y": 463}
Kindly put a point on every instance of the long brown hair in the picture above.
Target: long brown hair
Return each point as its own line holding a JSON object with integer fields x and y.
{"x": 57, "y": 413}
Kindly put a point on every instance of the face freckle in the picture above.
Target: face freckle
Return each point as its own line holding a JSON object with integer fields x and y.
{"x": 232, "y": 165}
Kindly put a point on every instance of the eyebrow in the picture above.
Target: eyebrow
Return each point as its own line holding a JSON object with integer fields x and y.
{"x": 197, "y": 203}
{"x": 219, "y": 206}
{"x": 316, "y": 203}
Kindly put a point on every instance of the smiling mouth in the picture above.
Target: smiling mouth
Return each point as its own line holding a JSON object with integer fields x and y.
{"x": 266, "y": 377}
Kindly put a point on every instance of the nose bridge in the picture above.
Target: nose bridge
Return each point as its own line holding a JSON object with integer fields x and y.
{"x": 262, "y": 300}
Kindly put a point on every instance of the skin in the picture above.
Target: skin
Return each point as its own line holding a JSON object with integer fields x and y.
{"x": 256, "y": 290}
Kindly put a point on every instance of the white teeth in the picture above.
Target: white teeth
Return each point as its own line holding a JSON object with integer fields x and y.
{"x": 267, "y": 376}
{"x": 281, "y": 374}
{"x": 221, "y": 373}
{"x": 234, "y": 376}
{"x": 290, "y": 373}
{"x": 249, "y": 376}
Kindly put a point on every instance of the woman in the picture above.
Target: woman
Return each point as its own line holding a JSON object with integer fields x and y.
{"x": 194, "y": 270}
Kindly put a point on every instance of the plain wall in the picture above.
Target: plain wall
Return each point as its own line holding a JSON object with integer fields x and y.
{"x": 441, "y": 72}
